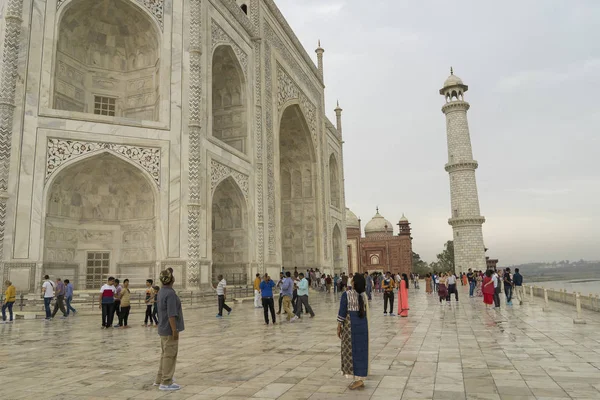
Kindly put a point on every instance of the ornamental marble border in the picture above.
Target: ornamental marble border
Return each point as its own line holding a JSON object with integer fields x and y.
{"x": 59, "y": 151}
{"x": 155, "y": 7}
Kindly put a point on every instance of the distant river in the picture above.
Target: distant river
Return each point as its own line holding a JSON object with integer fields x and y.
{"x": 585, "y": 286}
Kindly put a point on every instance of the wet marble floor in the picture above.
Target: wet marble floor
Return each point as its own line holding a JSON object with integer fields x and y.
{"x": 456, "y": 351}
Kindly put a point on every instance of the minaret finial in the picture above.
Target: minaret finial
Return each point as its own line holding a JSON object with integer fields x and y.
{"x": 319, "y": 42}
{"x": 451, "y": 71}
{"x": 377, "y": 209}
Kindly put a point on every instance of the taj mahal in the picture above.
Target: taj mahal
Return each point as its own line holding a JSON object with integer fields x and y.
{"x": 137, "y": 135}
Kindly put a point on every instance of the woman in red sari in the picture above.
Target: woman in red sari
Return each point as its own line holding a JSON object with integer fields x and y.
{"x": 403, "y": 296}
{"x": 488, "y": 289}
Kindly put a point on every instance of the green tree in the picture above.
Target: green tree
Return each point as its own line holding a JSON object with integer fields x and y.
{"x": 419, "y": 266}
{"x": 445, "y": 260}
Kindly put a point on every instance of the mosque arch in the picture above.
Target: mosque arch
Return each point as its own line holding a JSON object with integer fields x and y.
{"x": 229, "y": 99}
{"x": 229, "y": 225}
{"x": 298, "y": 217}
{"x": 107, "y": 60}
{"x": 334, "y": 181}
{"x": 100, "y": 220}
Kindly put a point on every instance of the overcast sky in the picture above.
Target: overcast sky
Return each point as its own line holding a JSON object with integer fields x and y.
{"x": 533, "y": 70}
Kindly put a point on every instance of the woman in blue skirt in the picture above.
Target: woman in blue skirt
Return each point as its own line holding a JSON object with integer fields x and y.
{"x": 353, "y": 330}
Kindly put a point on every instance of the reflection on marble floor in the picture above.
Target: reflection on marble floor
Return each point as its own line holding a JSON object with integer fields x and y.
{"x": 459, "y": 351}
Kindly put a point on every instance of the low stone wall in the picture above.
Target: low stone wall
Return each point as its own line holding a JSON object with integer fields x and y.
{"x": 588, "y": 302}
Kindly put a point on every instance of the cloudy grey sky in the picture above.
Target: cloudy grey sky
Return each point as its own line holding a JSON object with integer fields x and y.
{"x": 533, "y": 69}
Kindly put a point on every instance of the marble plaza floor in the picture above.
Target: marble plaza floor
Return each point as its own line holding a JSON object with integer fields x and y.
{"x": 458, "y": 351}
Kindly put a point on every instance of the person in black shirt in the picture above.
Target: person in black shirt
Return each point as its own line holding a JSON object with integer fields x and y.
{"x": 472, "y": 282}
{"x": 508, "y": 286}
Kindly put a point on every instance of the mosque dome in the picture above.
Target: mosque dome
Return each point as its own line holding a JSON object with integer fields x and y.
{"x": 378, "y": 226}
{"x": 351, "y": 219}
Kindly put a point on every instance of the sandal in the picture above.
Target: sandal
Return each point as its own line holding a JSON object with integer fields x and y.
{"x": 356, "y": 384}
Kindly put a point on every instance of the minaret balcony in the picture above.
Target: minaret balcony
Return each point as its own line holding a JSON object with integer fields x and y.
{"x": 466, "y": 221}
{"x": 462, "y": 166}
{"x": 455, "y": 105}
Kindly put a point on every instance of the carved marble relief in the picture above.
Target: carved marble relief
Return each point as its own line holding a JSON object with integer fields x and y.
{"x": 219, "y": 36}
{"x": 218, "y": 172}
{"x": 60, "y": 151}
{"x": 195, "y": 156}
{"x": 156, "y": 8}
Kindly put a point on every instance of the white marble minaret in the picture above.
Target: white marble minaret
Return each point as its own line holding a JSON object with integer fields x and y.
{"x": 466, "y": 220}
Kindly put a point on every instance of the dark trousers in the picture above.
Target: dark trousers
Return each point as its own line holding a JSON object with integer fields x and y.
{"x": 369, "y": 291}
{"x": 268, "y": 304}
{"x": 280, "y": 302}
{"x": 222, "y": 305}
{"x": 8, "y": 305}
{"x": 303, "y": 301}
{"x": 69, "y": 306}
{"x": 59, "y": 303}
{"x": 497, "y": 296}
{"x": 47, "y": 301}
{"x": 108, "y": 311}
{"x": 294, "y": 300}
{"x": 452, "y": 289}
{"x": 124, "y": 315}
{"x": 150, "y": 316}
{"x": 508, "y": 290}
{"x": 388, "y": 297}
{"x": 155, "y": 313}
{"x": 117, "y": 310}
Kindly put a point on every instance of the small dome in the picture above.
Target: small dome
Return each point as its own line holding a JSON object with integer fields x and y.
{"x": 403, "y": 219}
{"x": 453, "y": 80}
{"x": 351, "y": 219}
{"x": 379, "y": 226}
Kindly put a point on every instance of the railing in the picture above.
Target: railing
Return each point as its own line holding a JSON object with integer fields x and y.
{"x": 188, "y": 297}
{"x": 589, "y": 302}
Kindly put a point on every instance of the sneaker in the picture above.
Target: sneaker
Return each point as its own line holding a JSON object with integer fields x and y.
{"x": 219, "y": 316}
{"x": 171, "y": 387}
{"x": 385, "y": 314}
{"x": 294, "y": 319}
{"x": 64, "y": 317}
{"x": 392, "y": 314}
{"x": 116, "y": 326}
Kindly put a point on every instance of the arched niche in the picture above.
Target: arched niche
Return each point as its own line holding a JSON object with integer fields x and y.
{"x": 107, "y": 60}
{"x": 228, "y": 99}
{"x": 298, "y": 211}
{"x": 230, "y": 232}
{"x": 334, "y": 182}
{"x": 338, "y": 256}
{"x": 100, "y": 221}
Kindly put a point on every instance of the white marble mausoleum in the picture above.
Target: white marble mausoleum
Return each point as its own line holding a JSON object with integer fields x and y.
{"x": 137, "y": 135}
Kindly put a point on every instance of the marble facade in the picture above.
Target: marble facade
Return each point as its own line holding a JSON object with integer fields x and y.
{"x": 142, "y": 134}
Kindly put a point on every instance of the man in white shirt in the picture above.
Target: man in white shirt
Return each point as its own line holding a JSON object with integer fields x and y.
{"x": 222, "y": 295}
{"x": 451, "y": 281}
{"x": 48, "y": 294}
{"x": 496, "y": 281}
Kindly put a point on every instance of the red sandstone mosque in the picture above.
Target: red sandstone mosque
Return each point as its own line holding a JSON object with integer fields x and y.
{"x": 379, "y": 249}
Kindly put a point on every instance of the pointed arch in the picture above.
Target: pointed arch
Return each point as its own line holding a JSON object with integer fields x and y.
{"x": 338, "y": 255}
{"x": 100, "y": 218}
{"x": 229, "y": 99}
{"x": 229, "y": 221}
{"x": 334, "y": 182}
{"x": 97, "y": 74}
{"x": 299, "y": 214}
